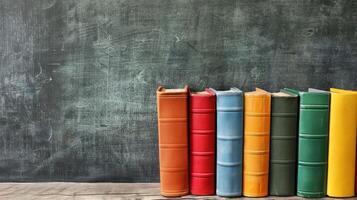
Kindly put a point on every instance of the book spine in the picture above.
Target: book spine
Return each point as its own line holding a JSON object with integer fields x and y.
{"x": 203, "y": 139}
{"x": 312, "y": 147}
{"x": 256, "y": 144}
{"x": 284, "y": 128}
{"x": 229, "y": 144}
{"x": 173, "y": 143}
{"x": 355, "y": 102}
{"x": 342, "y": 145}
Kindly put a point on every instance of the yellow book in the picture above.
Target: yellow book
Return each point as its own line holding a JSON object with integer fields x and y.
{"x": 342, "y": 143}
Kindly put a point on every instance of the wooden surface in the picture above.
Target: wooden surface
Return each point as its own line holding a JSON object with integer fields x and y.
{"x": 64, "y": 191}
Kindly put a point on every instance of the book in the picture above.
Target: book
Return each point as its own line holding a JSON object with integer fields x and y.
{"x": 257, "y": 105}
{"x": 173, "y": 141}
{"x": 229, "y": 142}
{"x": 342, "y": 143}
{"x": 312, "y": 142}
{"x": 202, "y": 142}
{"x": 283, "y": 146}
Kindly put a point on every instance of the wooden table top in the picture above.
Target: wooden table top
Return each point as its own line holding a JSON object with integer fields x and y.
{"x": 66, "y": 190}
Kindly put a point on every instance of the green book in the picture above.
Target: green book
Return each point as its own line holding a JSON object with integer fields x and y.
{"x": 284, "y": 127}
{"x": 313, "y": 142}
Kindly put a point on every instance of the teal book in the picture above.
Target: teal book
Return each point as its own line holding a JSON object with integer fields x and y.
{"x": 313, "y": 142}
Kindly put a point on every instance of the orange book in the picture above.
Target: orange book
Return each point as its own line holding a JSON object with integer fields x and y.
{"x": 173, "y": 141}
{"x": 256, "y": 143}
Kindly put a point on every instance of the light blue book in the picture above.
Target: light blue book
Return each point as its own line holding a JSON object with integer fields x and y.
{"x": 229, "y": 142}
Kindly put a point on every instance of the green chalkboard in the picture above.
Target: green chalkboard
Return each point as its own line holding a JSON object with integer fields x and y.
{"x": 78, "y": 77}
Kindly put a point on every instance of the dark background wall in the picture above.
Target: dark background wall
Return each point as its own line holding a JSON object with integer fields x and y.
{"x": 78, "y": 77}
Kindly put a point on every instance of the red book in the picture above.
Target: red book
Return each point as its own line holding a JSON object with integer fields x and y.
{"x": 202, "y": 147}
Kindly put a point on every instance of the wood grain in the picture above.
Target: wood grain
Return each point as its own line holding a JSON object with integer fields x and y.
{"x": 60, "y": 190}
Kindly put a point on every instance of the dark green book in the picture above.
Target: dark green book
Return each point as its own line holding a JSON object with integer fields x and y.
{"x": 284, "y": 127}
{"x": 313, "y": 142}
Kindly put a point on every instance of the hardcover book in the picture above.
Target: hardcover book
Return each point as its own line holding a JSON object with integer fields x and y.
{"x": 173, "y": 141}
{"x": 284, "y": 129}
{"x": 256, "y": 143}
{"x": 202, "y": 143}
{"x": 342, "y": 143}
{"x": 313, "y": 142}
{"x": 229, "y": 142}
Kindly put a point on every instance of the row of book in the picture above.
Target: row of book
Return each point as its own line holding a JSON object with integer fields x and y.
{"x": 257, "y": 143}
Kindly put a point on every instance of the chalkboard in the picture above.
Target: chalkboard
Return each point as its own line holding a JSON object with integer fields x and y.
{"x": 78, "y": 77}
